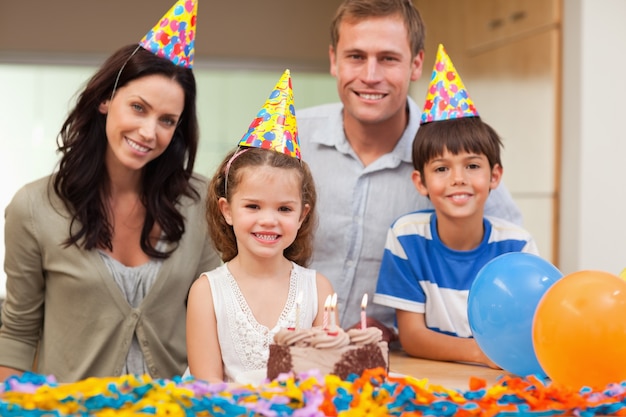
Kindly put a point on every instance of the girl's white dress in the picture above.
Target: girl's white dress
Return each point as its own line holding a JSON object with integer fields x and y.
{"x": 243, "y": 341}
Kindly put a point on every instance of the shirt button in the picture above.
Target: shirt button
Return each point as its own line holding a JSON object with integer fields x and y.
{"x": 145, "y": 343}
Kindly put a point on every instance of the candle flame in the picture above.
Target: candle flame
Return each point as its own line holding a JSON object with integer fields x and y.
{"x": 364, "y": 301}
{"x": 327, "y": 302}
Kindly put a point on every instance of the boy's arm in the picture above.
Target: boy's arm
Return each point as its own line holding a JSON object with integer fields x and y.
{"x": 419, "y": 341}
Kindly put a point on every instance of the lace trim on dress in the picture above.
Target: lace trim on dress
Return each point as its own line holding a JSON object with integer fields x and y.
{"x": 252, "y": 339}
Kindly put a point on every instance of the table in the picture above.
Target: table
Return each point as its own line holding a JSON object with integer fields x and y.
{"x": 452, "y": 375}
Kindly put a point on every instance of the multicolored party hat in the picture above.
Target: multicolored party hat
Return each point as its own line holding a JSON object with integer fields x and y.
{"x": 447, "y": 97}
{"x": 275, "y": 124}
{"x": 173, "y": 37}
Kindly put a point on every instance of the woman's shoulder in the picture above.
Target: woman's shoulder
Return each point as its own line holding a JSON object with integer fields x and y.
{"x": 199, "y": 179}
{"x": 36, "y": 205}
{"x": 33, "y": 192}
{"x": 200, "y": 183}
{"x": 42, "y": 183}
{"x": 196, "y": 197}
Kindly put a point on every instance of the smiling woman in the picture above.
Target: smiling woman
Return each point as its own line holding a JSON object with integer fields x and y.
{"x": 100, "y": 254}
{"x": 141, "y": 120}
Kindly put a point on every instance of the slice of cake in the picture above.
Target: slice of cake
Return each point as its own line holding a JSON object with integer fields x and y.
{"x": 331, "y": 352}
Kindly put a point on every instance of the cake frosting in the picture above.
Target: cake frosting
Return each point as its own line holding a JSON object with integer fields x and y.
{"x": 330, "y": 351}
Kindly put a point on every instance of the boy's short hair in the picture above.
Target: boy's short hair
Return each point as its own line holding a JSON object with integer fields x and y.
{"x": 466, "y": 134}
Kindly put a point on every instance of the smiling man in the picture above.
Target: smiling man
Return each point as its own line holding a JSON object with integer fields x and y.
{"x": 359, "y": 150}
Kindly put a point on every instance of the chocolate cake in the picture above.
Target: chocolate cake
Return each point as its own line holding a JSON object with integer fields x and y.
{"x": 331, "y": 351}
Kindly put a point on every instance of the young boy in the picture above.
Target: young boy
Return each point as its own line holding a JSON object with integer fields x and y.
{"x": 432, "y": 257}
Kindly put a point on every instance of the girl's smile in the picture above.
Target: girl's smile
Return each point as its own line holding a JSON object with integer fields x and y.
{"x": 265, "y": 210}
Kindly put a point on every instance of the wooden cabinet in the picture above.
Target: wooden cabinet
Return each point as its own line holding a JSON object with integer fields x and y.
{"x": 508, "y": 55}
{"x": 515, "y": 87}
{"x": 497, "y": 21}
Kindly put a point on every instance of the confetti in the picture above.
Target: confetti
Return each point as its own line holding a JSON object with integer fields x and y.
{"x": 306, "y": 395}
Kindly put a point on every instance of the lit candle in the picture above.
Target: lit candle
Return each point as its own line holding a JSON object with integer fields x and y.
{"x": 298, "y": 303}
{"x": 363, "y": 306}
{"x": 333, "y": 310}
{"x": 326, "y": 311}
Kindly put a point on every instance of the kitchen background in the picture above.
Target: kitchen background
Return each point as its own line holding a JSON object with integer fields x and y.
{"x": 546, "y": 74}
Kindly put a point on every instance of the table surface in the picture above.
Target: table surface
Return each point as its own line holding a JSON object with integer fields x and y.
{"x": 452, "y": 375}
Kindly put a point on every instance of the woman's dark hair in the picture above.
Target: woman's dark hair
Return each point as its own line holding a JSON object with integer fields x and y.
{"x": 222, "y": 234}
{"x": 82, "y": 179}
{"x": 465, "y": 134}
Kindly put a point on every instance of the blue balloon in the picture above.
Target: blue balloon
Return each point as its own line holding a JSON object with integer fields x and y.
{"x": 500, "y": 308}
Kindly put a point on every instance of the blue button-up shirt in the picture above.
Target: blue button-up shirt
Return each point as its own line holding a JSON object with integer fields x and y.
{"x": 357, "y": 204}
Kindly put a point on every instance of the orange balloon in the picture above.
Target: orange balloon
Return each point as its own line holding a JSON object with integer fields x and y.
{"x": 579, "y": 330}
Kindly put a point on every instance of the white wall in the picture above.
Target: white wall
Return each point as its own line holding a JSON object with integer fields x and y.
{"x": 593, "y": 212}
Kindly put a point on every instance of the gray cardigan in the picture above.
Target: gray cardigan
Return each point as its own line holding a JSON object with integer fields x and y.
{"x": 65, "y": 299}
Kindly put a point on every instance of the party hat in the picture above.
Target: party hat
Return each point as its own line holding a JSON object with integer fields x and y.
{"x": 173, "y": 37}
{"x": 275, "y": 124}
{"x": 447, "y": 97}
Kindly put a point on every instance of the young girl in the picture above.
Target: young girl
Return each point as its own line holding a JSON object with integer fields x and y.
{"x": 261, "y": 207}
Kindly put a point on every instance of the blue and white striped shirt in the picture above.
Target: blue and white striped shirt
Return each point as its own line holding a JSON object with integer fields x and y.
{"x": 420, "y": 274}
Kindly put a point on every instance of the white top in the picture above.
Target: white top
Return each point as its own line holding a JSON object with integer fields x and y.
{"x": 244, "y": 342}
